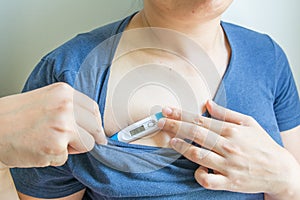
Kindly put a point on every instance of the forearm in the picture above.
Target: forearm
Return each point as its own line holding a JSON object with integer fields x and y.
{"x": 291, "y": 140}
{"x": 289, "y": 194}
{"x": 7, "y": 187}
{"x": 6, "y": 123}
{"x": 290, "y": 189}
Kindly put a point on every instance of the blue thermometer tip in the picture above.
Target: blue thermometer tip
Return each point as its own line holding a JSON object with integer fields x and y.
{"x": 115, "y": 137}
{"x": 159, "y": 115}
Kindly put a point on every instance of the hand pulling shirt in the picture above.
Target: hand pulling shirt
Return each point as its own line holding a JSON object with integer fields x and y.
{"x": 258, "y": 82}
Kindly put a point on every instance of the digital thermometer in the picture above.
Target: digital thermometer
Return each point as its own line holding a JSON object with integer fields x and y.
{"x": 139, "y": 129}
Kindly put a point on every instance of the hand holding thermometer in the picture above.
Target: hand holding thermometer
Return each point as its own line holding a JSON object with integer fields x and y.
{"x": 139, "y": 129}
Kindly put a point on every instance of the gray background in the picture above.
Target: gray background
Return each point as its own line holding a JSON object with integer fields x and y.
{"x": 32, "y": 28}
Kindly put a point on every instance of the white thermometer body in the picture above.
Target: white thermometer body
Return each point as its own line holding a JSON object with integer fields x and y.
{"x": 139, "y": 129}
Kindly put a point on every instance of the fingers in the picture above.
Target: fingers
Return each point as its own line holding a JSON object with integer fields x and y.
{"x": 71, "y": 150}
{"x": 217, "y": 126}
{"x": 202, "y": 136}
{"x": 81, "y": 141}
{"x": 223, "y": 114}
{"x": 58, "y": 160}
{"x": 172, "y": 113}
{"x": 84, "y": 109}
{"x": 90, "y": 122}
{"x": 222, "y": 123}
{"x": 88, "y": 116}
{"x": 199, "y": 155}
{"x": 85, "y": 102}
{"x": 210, "y": 180}
{"x": 220, "y": 127}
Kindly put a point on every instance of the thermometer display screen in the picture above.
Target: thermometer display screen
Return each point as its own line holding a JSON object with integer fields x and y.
{"x": 137, "y": 130}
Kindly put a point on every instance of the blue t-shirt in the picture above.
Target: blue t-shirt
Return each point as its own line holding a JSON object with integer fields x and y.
{"x": 258, "y": 82}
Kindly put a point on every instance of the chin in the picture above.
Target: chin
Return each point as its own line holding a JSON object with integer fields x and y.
{"x": 205, "y": 9}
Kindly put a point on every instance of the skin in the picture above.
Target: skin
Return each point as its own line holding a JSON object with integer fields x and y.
{"x": 235, "y": 152}
{"x": 243, "y": 156}
{"x": 198, "y": 19}
{"x": 45, "y": 125}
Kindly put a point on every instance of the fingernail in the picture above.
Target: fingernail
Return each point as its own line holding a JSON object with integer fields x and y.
{"x": 174, "y": 142}
{"x": 167, "y": 110}
{"x": 161, "y": 123}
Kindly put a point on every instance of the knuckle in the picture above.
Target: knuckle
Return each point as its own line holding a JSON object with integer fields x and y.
{"x": 176, "y": 114}
{"x": 43, "y": 163}
{"x": 172, "y": 125}
{"x": 65, "y": 104}
{"x": 59, "y": 160}
{"x": 195, "y": 154}
{"x": 56, "y": 144}
{"x": 235, "y": 182}
{"x": 230, "y": 148}
{"x": 229, "y": 131}
{"x": 60, "y": 125}
{"x": 47, "y": 150}
{"x": 196, "y": 133}
{"x": 59, "y": 105}
{"x": 58, "y": 102}
{"x": 62, "y": 87}
{"x": 54, "y": 149}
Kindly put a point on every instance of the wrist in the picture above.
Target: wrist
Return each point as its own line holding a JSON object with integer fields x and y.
{"x": 6, "y": 119}
{"x": 2, "y": 145}
{"x": 290, "y": 192}
{"x": 287, "y": 186}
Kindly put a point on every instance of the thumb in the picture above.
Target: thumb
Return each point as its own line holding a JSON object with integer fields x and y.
{"x": 227, "y": 115}
{"x": 80, "y": 141}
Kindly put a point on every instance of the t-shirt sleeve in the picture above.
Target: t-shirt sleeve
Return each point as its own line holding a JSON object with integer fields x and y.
{"x": 48, "y": 71}
{"x": 41, "y": 76}
{"x": 49, "y": 182}
{"x": 286, "y": 102}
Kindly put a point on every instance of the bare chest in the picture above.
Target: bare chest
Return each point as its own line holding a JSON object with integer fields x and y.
{"x": 142, "y": 83}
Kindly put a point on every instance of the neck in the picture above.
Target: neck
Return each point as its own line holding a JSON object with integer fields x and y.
{"x": 207, "y": 33}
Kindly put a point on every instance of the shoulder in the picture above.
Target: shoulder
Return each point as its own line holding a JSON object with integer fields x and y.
{"x": 257, "y": 49}
{"x": 70, "y": 55}
{"x": 247, "y": 39}
{"x": 242, "y": 33}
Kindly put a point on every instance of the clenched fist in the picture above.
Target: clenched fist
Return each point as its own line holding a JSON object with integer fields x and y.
{"x": 41, "y": 127}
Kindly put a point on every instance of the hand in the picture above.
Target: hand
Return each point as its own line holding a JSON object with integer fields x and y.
{"x": 41, "y": 127}
{"x": 243, "y": 157}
